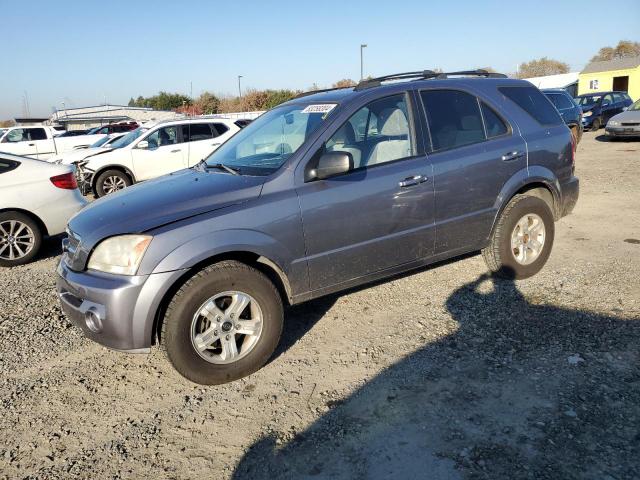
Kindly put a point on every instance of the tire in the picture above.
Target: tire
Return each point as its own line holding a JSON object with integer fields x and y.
{"x": 111, "y": 181}
{"x": 595, "y": 126}
{"x": 183, "y": 317}
{"x": 501, "y": 257}
{"x": 20, "y": 237}
{"x": 574, "y": 134}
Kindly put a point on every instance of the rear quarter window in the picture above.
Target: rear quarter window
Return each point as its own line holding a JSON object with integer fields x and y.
{"x": 8, "y": 165}
{"x": 532, "y": 101}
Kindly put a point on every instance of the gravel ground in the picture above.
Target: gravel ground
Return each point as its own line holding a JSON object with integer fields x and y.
{"x": 443, "y": 374}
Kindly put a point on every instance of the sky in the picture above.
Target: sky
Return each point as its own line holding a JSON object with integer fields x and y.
{"x": 83, "y": 53}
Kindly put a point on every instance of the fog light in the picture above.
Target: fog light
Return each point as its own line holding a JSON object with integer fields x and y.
{"x": 93, "y": 321}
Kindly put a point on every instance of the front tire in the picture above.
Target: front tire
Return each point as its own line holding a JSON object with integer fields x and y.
{"x": 595, "y": 126}
{"x": 111, "y": 181}
{"x": 223, "y": 324}
{"x": 20, "y": 239}
{"x": 522, "y": 240}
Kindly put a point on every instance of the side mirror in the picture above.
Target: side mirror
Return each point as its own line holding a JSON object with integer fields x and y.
{"x": 333, "y": 163}
{"x": 143, "y": 145}
{"x": 624, "y": 109}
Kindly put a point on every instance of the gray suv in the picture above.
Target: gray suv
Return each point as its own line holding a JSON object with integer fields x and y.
{"x": 330, "y": 190}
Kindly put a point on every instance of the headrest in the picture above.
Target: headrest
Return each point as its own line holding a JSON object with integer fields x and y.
{"x": 345, "y": 134}
{"x": 392, "y": 121}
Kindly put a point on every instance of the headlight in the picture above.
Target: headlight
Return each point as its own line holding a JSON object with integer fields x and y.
{"x": 587, "y": 114}
{"x": 120, "y": 255}
{"x": 613, "y": 123}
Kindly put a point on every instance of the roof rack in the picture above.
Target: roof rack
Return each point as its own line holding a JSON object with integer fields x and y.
{"x": 425, "y": 74}
{"x": 311, "y": 92}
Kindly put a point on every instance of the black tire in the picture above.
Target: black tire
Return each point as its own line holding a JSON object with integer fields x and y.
{"x": 498, "y": 254}
{"x": 595, "y": 126}
{"x": 176, "y": 328}
{"x": 101, "y": 185}
{"x": 4, "y": 246}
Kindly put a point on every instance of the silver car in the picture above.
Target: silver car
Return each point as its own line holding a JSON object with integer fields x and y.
{"x": 625, "y": 124}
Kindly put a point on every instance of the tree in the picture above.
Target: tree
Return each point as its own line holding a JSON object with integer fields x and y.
{"x": 208, "y": 103}
{"x": 541, "y": 67}
{"x": 162, "y": 101}
{"x": 345, "y": 82}
{"x": 6, "y": 123}
{"x": 624, "y": 49}
{"x": 132, "y": 102}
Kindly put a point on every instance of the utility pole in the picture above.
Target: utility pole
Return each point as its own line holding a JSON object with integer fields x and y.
{"x": 239, "y": 90}
{"x": 362, "y": 47}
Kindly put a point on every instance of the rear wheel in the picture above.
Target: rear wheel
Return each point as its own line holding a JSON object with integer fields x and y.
{"x": 522, "y": 240}
{"x": 223, "y": 324}
{"x": 20, "y": 239}
{"x": 111, "y": 181}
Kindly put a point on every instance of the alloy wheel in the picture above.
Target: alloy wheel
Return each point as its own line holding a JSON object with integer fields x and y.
{"x": 112, "y": 184}
{"x": 527, "y": 239}
{"x": 16, "y": 240}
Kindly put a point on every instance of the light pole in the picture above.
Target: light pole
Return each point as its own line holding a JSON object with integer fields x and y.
{"x": 362, "y": 47}
{"x": 239, "y": 90}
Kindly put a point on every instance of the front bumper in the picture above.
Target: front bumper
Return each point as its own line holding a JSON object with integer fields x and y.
{"x": 622, "y": 131}
{"x": 116, "y": 311}
{"x": 570, "y": 194}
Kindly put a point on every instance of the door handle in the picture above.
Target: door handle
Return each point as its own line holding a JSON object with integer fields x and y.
{"x": 32, "y": 144}
{"x": 507, "y": 157}
{"x": 215, "y": 144}
{"x": 175, "y": 151}
{"x": 413, "y": 180}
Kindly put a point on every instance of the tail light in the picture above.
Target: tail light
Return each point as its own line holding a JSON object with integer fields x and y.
{"x": 66, "y": 180}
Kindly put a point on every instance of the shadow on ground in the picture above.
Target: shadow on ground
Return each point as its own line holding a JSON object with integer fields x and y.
{"x": 606, "y": 138}
{"x": 521, "y": 390}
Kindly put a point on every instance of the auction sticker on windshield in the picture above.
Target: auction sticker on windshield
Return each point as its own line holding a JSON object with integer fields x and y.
{"x": 319, "y": 108}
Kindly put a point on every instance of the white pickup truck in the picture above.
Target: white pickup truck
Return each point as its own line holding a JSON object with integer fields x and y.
{"x": 41, "y": 142}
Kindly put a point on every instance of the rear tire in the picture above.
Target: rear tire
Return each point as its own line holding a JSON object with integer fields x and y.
{"x": 20, "y": 238}
{"x": 111, "y": 181}
{"x": 196, "y": 333}
{"x": 512, "y": 252}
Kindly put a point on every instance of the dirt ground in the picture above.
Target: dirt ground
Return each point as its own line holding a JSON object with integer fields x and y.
{"x": 440, "y": 374}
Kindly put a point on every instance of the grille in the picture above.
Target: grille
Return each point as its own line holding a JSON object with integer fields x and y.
{"x": 630, "y": 124}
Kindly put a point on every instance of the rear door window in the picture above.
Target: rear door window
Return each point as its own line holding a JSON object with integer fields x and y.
{"x": 219, "y": 129}
{"x": 493, "y": 124}
{"x": 37, "y": 134}
{"x": 193, "y": 132}
{"x": 454, "y": 118}
{"x": 532, "y": 101}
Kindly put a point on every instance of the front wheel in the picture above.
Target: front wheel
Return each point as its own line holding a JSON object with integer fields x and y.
{"x": 595, "y": 126}
{"x": 521, "y": 242}
{"x": 223, "y": 324}
{"x": 111, "y": 181}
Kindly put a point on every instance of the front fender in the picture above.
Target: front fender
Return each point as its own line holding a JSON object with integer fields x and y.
{"x": 226, "y": 241}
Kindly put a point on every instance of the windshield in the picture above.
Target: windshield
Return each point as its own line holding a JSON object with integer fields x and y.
{"x": 588, "y": 100}
{"x": 634, "y": 107}
{"x": 100, "y": 142}
{"x": 128, "y": 138}
{"x": 267, "y": 142}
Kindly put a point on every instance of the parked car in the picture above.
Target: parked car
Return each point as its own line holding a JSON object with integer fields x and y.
{"x": 151, "y": 151}
{"x": 114, "y": 128}
{"x": 71, "y": 133}
{"x": 330, "y": 190}
{"x": 41, "y": 142}
{"x": 82, "y": 153}
{"x": 36, "y": 200}
{"x": 598, "y": 108}
{"x": 625, "y": 124}
{"x": 569, "y": 110}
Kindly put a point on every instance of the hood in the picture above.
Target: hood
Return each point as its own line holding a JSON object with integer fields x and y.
{"x": 628, "y": 116}
{"x": 586, "y": 108}
{"x": 82, "y": 154}
{"x": 160, "y": 201}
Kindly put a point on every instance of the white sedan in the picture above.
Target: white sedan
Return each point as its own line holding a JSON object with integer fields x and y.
{"x": 37, "y": 199}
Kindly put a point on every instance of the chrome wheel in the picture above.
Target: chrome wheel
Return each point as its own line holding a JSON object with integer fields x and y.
{"x": 527, "y": 239}
{"x": 16, "y": 240}
{"x": 226, "y": 327}
{"x": 112, "y": 184}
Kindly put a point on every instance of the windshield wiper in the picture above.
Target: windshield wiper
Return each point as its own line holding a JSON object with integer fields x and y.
{"x": 202, "y": 165}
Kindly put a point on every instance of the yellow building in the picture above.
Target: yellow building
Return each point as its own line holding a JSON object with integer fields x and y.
{"x": 620, "y": 74}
